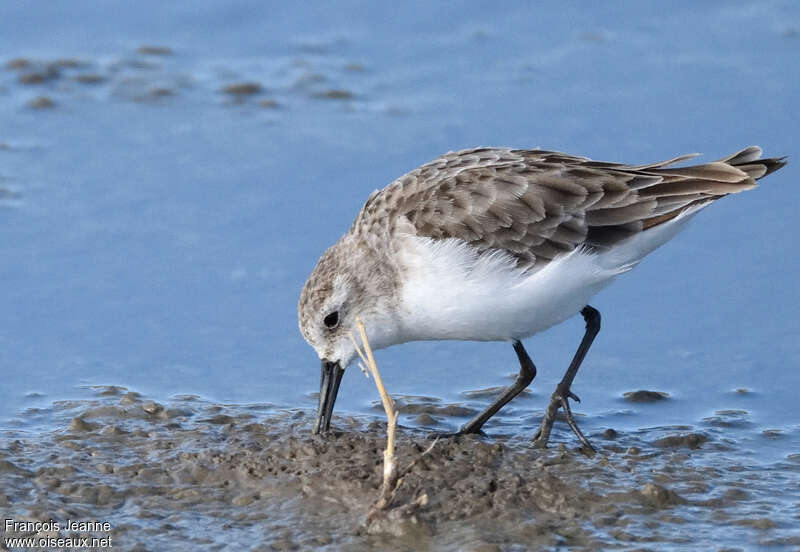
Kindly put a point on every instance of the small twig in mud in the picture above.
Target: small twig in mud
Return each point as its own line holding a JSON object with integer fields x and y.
{"x": 391, "y": 475}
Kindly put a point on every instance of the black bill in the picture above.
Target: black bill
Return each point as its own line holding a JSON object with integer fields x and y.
{"x": 328, "y": 388}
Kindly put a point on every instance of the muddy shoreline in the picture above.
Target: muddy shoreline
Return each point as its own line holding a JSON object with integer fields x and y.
{"x": 166, "y": 178}
{"x": 190, "y": 473}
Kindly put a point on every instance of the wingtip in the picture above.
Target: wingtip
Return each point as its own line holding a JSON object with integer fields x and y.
{"x": 749, "y": 160}
{"x": 774, "y": 163}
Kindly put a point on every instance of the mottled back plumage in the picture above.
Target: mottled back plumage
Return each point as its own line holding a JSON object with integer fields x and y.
{"x": 495, "y": 244}
{"x": 537, "y": 204}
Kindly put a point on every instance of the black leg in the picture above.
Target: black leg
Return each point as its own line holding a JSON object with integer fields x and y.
{"x": 527, "y": 371}
{"x": 563, "y": 393}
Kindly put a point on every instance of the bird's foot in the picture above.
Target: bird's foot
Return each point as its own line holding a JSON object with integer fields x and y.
{"x": 560, "y": 399}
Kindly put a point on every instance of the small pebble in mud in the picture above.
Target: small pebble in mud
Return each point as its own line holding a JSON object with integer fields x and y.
{"x": 152, "y": 407}
{"x": 154, "y": 94}
{"x": 89, "y": 78}
{"x": 243, "y": 88}
{"x": 660, "y": 497}
{"x": 112, "y": 430}
{"x": 8, "y": 467}
{"x": 729, "y": 418}
{"x": 108, "y": 390}
{"x": 610, "y": 434}
{"x": 772, "y": 433}
{"x": 18, "y": 63}
{"x": 690, "y": 440}
{"x": 756, "y": 523}
{"x": 333, "y": 94}
{"x": 378, "y": 425}
{"x": 130, "y": 397}
{"x": 425, "y": 419}
{"x": 243, "y": 499}
{"x": 38, "y": 77}
{"x": 645, "y": 396}
{"x": 68, "y": 63}
{"x": 731, "y": 412}
{"x": 742, "y": 391}
{"x": 149, "y": 50}
{"x": 220, "y": 419}
{"x": 732, "y": 496}
{"x": 79, "y": 424}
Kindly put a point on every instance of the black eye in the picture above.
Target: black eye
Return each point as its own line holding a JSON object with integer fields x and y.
{"x": 332, "y": 320}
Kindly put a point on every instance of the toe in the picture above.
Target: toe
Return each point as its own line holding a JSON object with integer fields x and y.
{"x": 571, "y": 395}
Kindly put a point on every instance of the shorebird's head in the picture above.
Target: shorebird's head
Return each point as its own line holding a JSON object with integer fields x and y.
{"x": 347, "y": 283}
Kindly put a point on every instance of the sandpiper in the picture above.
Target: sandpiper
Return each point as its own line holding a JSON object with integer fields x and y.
{"x": 497, "y": 244}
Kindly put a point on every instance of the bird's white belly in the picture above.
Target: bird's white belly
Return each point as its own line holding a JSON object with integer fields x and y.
{"x": 452, "y": 292}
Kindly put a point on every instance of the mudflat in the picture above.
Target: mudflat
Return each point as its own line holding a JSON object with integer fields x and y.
{"x": 190, "y": 473}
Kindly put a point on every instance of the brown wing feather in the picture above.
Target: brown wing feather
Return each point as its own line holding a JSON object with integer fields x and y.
{"x": 538, "y": 204}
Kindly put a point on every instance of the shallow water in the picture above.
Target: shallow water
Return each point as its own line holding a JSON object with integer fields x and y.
{"x": 158, "y": 224}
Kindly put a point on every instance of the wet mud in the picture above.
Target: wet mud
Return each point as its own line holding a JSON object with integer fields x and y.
{"x": 644, "y": 396}
{"x": 192, "y": 474}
